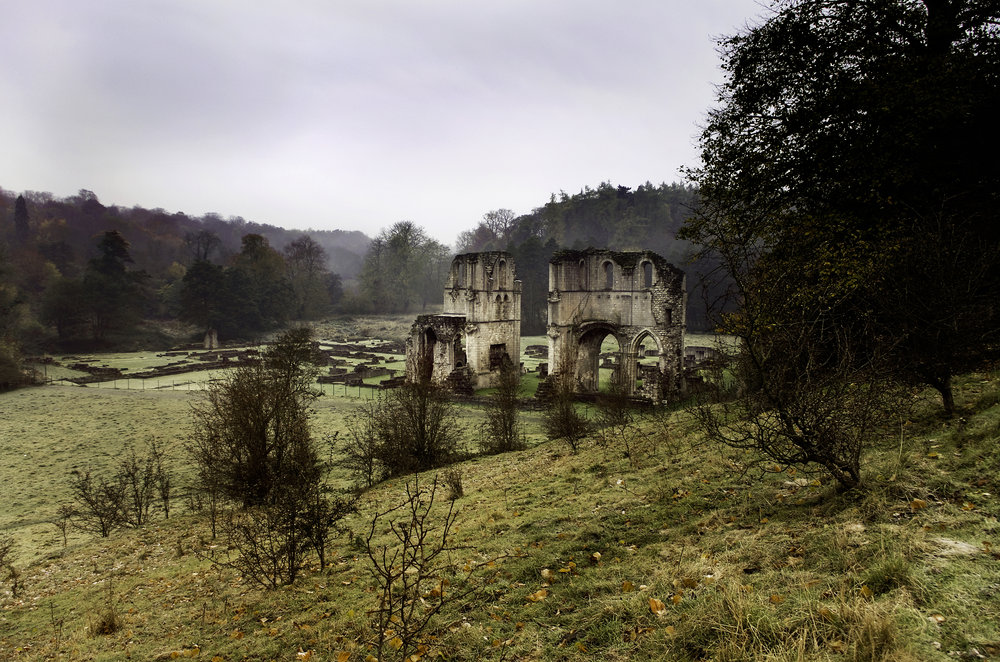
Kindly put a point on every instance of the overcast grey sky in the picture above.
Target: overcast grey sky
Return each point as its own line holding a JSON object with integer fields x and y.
{"x": 331, "y": 114}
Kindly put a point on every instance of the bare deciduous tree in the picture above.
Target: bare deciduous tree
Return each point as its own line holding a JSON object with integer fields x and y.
{"x": 100, "y": 503}
{"x": 806, "y": 399}
{"x": 500, "y": 222}
{"x": 617, "y": 425}
{"x": 561, "y": 419}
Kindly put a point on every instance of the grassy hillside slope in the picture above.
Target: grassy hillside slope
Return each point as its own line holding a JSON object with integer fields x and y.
{"x": 675, "y": 555}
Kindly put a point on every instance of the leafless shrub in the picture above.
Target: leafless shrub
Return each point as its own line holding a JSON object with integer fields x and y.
{"x": 64, "y": 515}
{"x": 322, "y": 516}
{"x": 164, "y": 483}
{"x": 617, "y": 426}
{"x": 99, "y": 503}
{"x": 102, "y": 505}
{"x": 137, "y": 478}
{"x": 361, "y": 444}
{"x": 415, "y": 574}
{"x": 803, "y": 402}
{"x": 404, "y": 430}
{"x": 503, "y": 431}
{"x": 561, "y": 419}
{"x": 270, "y": 544}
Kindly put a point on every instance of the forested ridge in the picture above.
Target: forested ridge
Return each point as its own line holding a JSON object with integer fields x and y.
{"x": 75, "y": 273}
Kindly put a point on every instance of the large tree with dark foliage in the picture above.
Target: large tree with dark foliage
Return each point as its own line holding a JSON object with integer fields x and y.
{"x": 22, "y": 227}
{"x": 203, "y": 296}
{"x": 851, "y": 167}
{"x": 114, "y": 294}
{"x": 256, "y": 280}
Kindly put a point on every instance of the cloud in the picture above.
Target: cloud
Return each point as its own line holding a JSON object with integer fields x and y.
{"x": 353, "y": 114}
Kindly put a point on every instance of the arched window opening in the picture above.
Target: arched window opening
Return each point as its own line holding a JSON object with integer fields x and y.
{"x": 647, "y": 274}
{"x": 582, "y": 274}
{"x": 609, "y": 275}
{"x": 647, "y": 362}
{"x": 502, "y": 274}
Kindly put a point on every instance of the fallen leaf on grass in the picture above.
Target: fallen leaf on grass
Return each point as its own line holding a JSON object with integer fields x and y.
{"x": 539, "y": 595}
{"x": 657, "y": 607}
{"x": 627, "y": 586}
{"x": 776, "y": 599}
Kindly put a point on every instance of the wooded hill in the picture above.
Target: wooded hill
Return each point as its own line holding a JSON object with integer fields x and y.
{"x": 63, "y": 230}
{"x": 75, "y": 273}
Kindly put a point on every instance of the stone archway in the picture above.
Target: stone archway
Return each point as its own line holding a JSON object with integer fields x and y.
{"x": 588, "y": 356}
{"x": 638, "y": 296}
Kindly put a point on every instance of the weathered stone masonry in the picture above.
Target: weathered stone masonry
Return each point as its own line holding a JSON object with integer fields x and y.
{"x": 479, "y": 328}
{"x": 630, "y": 295}
{"x": 592, "y": 293}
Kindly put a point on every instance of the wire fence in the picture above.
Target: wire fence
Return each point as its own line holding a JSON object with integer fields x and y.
{"x": 364, "y": 390}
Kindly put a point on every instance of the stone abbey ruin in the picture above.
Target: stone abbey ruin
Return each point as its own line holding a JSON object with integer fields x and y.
{"x": 478, "y": 329}
{"x": 636, "y": 297}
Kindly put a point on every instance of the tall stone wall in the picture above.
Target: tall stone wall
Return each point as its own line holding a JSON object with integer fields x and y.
{"x": 630, "y": 295}
{"x": 481, "y": 318}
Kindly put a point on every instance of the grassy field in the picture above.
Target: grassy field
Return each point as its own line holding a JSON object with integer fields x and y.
{"x": 674, "y": 555}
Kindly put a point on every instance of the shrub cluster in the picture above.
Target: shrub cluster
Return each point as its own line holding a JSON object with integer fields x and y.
{"x": 405, "y": 430}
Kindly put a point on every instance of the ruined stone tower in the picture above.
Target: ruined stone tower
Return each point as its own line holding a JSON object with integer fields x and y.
{"x": 478, "y": 330}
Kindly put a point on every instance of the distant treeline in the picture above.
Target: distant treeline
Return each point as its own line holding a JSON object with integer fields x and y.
{"x": 75, "y": 273}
